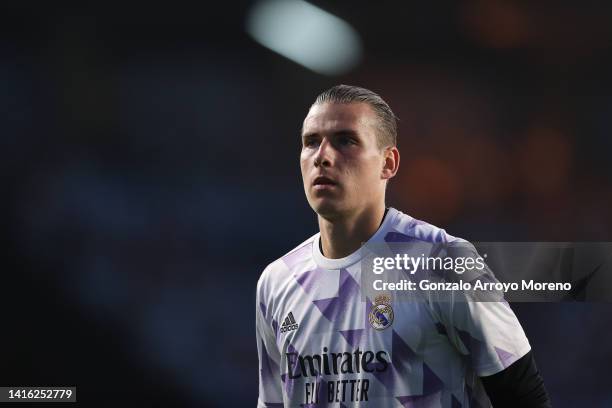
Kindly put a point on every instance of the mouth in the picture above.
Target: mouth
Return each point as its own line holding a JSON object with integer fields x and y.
{"x": 323, "y": 183}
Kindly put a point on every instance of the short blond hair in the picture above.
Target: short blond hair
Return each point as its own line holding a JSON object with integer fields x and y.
{"x": 387, "y": 137}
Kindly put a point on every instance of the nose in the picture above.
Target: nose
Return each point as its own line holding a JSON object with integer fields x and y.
{"x": 323, "y": 156}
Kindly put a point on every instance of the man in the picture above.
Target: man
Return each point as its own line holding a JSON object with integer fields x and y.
{"x": 321, "y": 343}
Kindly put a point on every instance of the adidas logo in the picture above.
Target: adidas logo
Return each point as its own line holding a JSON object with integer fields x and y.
{"x": 289, "y": 324}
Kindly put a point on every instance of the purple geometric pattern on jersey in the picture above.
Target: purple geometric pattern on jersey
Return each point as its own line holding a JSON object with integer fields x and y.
{"x": 432, "y": 392}
{"x": 431, "y": 382}
{"x": 288, "y": 382}
{"x": 399, "y": 237}
{"x": 404, "y": 358}
{"x": 311, "y": 278}
{"x": 348, "y": 291}
{"x": 403, "y": 362}
{"x": 420, "y": 401}
{"x": 414, "y": 222}
{"x": 475, "y": 347}
{"x": 263, "y": 309}
{"x": 506, "y": 357}
{"x": 269, "y": 368}
{"x": 477, "y": 350}
{"x": 294, "y": 257}
{"x": 434, "y": 250}
{"x": 356, "y": 337}
{"x": 275, "y": 328}
{"x": 352, "y": 337}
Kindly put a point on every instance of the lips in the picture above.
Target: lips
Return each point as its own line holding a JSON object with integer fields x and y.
{"x": 323, "y": 181}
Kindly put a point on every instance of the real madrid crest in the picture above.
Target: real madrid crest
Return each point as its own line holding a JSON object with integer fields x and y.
{"x": 381, "y": 315}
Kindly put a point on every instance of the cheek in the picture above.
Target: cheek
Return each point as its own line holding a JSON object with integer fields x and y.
{"x": 367, "y": 167}
{"x": 304, "y": 162}
{"x": 365, "y": 172}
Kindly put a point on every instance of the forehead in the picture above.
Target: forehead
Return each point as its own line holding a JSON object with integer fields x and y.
{"x": 329, "y": 117}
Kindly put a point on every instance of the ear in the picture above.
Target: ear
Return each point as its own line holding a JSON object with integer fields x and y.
{"x": 391, "y": 163}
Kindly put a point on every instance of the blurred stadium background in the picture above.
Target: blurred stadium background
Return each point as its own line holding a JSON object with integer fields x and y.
{"x": 150, "y": 158}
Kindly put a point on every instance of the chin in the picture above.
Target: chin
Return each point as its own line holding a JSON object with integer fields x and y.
{"x": 327, "y": 208}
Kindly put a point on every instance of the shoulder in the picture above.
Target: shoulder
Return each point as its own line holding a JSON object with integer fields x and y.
{"x": 423, "y": 236}
{"x": 285, "y": 266}
{"x": 406, "y": 228}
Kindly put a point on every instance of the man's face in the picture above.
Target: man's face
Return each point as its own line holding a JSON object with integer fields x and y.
{"x": 341, "y": 163}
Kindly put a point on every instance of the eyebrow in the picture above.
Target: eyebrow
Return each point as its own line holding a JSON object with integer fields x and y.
{"x": 341, "y": 132}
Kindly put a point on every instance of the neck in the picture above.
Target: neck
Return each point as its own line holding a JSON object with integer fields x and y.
{"x": 344, "y": 235}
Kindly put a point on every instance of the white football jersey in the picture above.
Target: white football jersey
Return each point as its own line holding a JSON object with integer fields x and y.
{"x": 319, "y": 345}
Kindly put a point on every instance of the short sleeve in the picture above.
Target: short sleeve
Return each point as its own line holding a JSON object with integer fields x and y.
{"x": 270, "y": 389}
{"x": 487, "y": 332}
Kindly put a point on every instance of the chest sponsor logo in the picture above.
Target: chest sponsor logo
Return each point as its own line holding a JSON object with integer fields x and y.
{"x": 348, "y": 368}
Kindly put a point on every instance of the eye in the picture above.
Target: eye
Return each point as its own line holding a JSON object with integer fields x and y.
{"x": 310, "y": 142}
{"x": 346, "y": 141}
